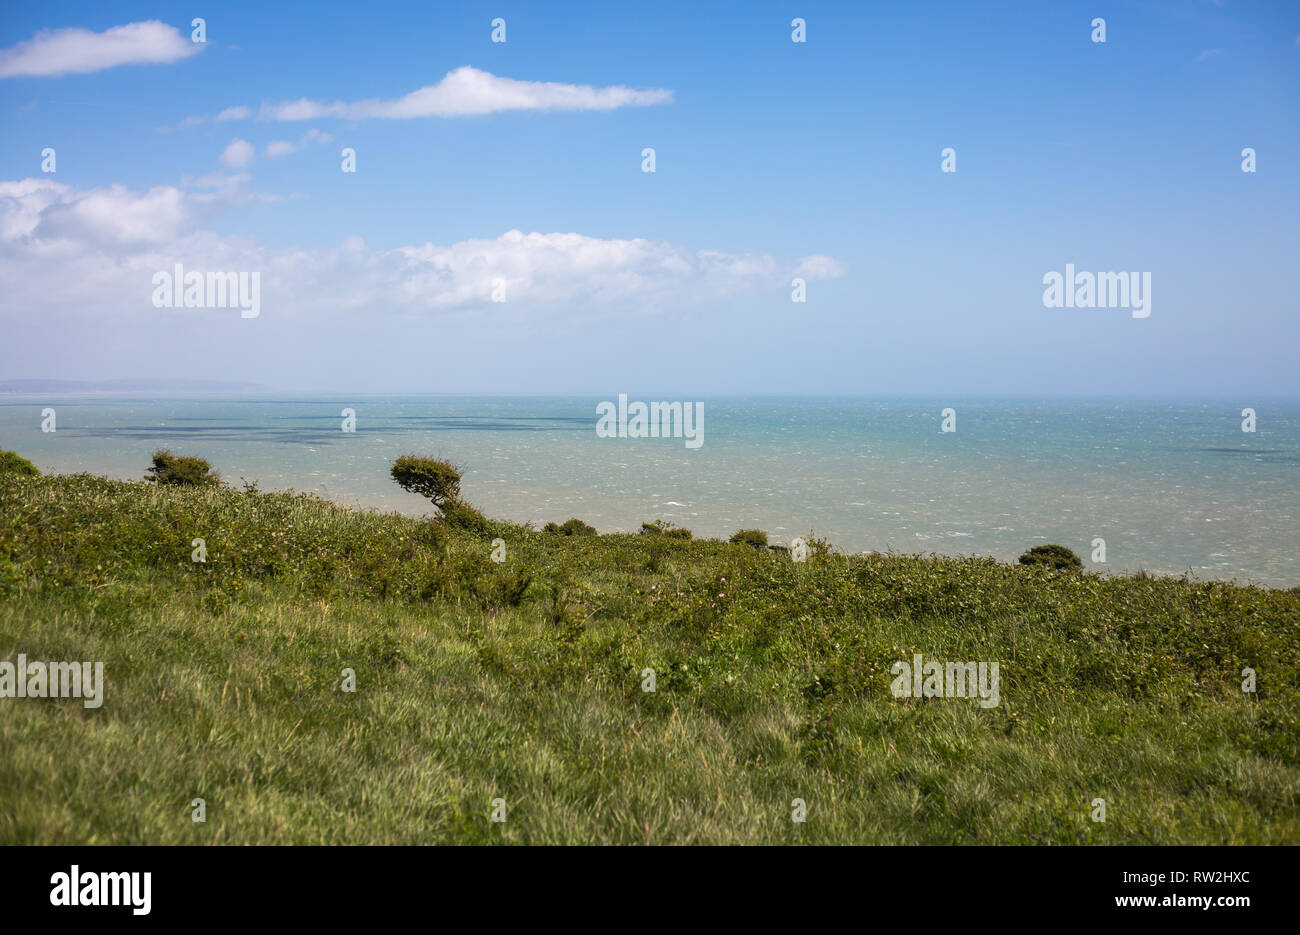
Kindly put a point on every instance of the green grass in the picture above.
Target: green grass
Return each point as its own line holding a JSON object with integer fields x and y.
{"x": 522, "y": 680}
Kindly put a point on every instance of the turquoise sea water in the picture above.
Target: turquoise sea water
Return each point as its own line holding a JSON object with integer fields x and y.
{"x": 1170, "y": 485}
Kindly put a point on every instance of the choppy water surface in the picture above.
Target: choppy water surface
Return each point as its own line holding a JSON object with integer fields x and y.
{"x": 1170, "y": 485}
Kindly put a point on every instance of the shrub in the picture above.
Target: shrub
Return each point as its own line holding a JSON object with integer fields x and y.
{"x": 561, "y": 606}
{"x": 14, "y": 463}
{"x": 570, "y": 527}
{"x": 434, "y": 535}
{"x": 433, "y": 478}
{"x": 818, "y": 548}
{"x": 181, "y": 471}
{"x": 512, "y": 585}
{"x": 1052, "y": 556}
{"x": 661, "y": 528}
{"x": 755, "y": 538}
{"x": 457, "y": 514}
{"x": 655, "y": 552}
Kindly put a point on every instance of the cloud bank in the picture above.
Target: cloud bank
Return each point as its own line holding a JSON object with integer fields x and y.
{"x": 71, "y": 253}
{"x": 54, "y": 52}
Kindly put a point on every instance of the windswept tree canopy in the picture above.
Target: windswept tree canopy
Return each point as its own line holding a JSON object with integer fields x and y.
{"x": 434, "y": 478}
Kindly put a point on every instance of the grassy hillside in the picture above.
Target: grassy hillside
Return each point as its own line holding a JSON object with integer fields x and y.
{"x": 523, "y": 680}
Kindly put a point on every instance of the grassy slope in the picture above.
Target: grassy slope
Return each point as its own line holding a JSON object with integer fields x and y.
{"x": 522, "y": 680}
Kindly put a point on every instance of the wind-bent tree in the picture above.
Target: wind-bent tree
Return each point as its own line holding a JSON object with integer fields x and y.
{"x": 434, "y": 478}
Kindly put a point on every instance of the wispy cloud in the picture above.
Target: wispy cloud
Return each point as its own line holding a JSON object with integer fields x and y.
{"x": 230, "y": 113}
{"x": 1207, "y": 54}
{"x": 819, "y": 266}
{"x": 217, "y": 190}
{"x": 465, "y": 92}
{"x": 277, "y": 148}
{"x": 54, "y": 52}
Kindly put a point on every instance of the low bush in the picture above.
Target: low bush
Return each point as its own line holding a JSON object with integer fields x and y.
{"x": 661, "y": 528}
{"x": 457, "y": 514}
{"x": 14, "y": 463}
{"x": 1052, "y": 556}
{"x": 181, "y": 471}
{"x": 755, "y": 538}
{"x": 570, "y": 527}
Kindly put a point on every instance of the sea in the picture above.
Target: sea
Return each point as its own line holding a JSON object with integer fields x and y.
{"x": 1165, "y": 485}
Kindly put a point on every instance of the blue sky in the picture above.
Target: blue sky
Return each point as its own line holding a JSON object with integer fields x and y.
{"x": 773, "y": 159}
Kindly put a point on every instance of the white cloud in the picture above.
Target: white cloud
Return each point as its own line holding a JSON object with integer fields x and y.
{"x": 238, "y": 153}
{"x": 1208, "y": 53}
{"x": 216, "y": 180}
{"x": 218, "y": 189}
{"x": 567, "y": 268}
{"x": 48, "y": 215}
{"x": 819, "y": 266}
{"x": 277, "y": 148}
{"x": 22, "y": 203}
{"x": 230, "y": 113}
{"x": 78, "y": 51}
{"x": 74, "y": 253}
{"x": 465, "y": 92}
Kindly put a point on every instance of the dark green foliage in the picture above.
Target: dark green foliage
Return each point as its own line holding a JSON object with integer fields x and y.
{"x": 754, "y": 538}
{"x": 661, "y": 528}
{"x": 570, "y": 527}
{"x": 13, "y": 463}
{"x": 1052, "y": 556}
{"x": 457, "y": 514}
{"x": 561, "y": 608}
{"x": 472, "y": 580}
{"x": 436, "y": 534}
{"x": 512, "y": 586}
{"x": 436, "y": 479}
{"x": 181, "y": 471}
